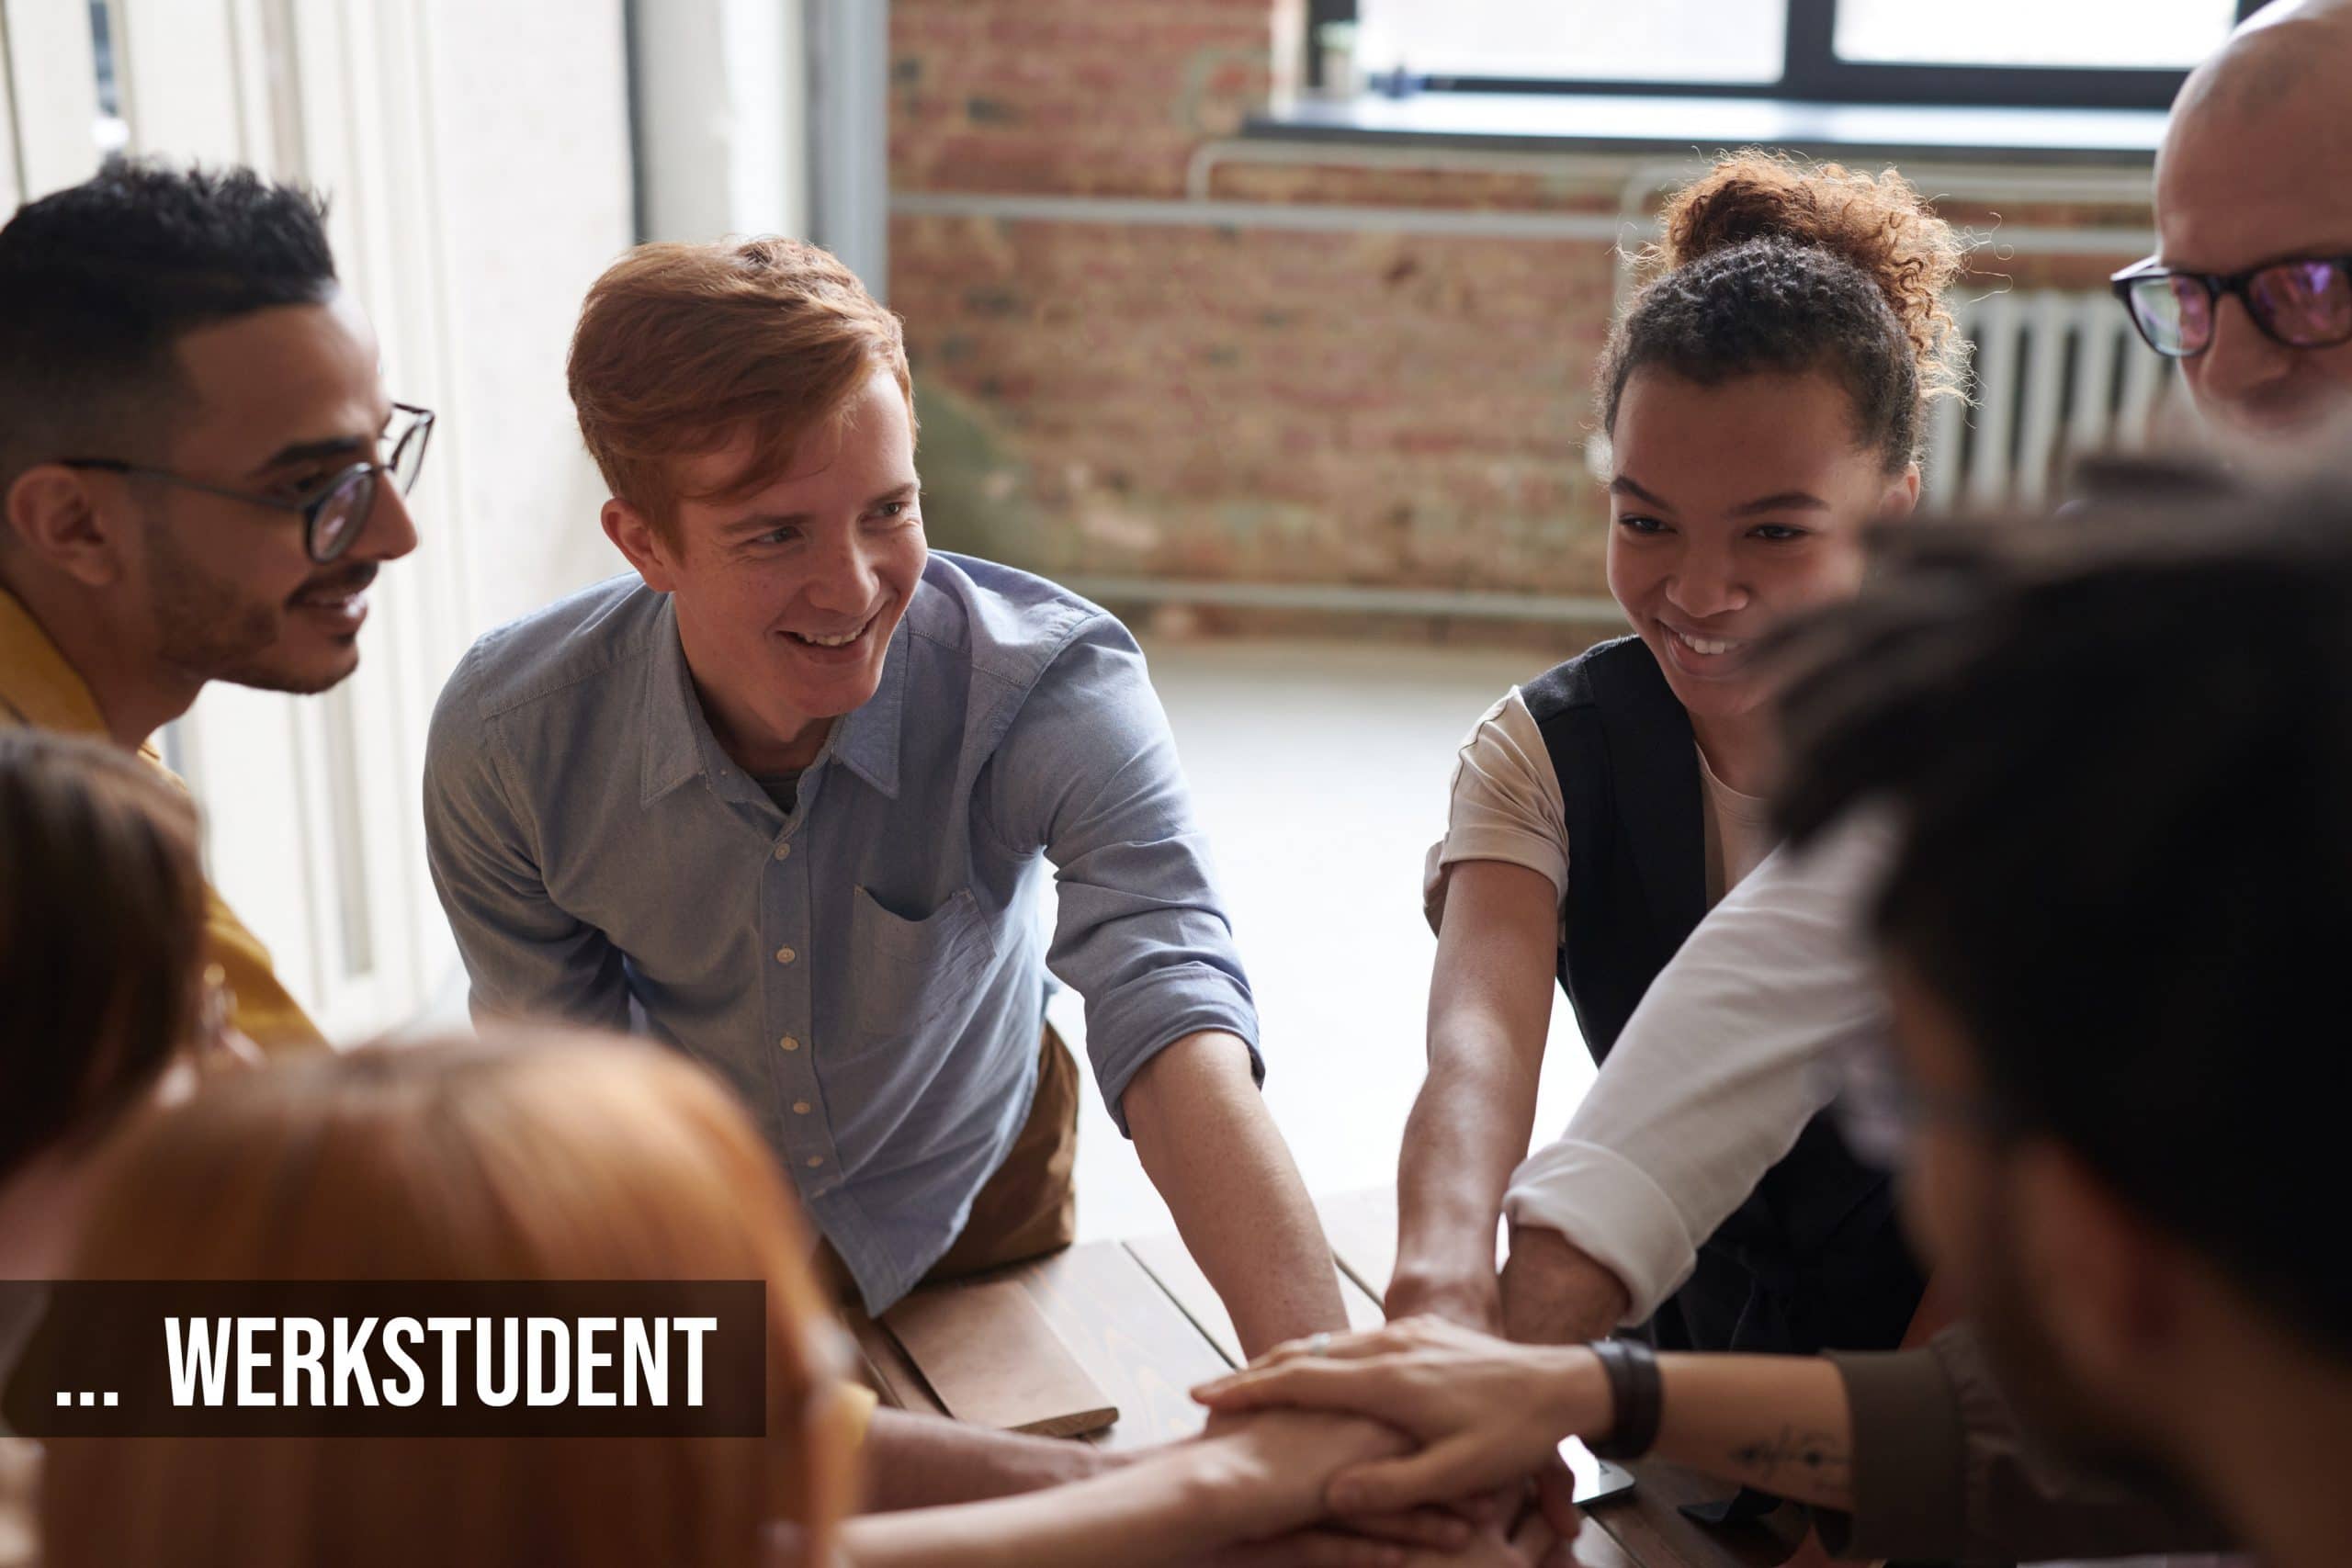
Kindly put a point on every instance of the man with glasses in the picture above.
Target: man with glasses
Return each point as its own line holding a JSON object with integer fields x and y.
{"x": 2251, "y": 284}
{"x": 201, "y": 468}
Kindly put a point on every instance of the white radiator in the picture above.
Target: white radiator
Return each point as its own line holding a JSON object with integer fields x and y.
{"x": 2058, "y": 374}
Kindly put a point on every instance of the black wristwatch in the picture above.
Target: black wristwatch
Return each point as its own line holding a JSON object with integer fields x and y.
{"x": 1635, "y": 1393}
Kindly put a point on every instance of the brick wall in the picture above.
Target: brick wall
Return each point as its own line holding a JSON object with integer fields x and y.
{"x": 1148, "y": 396}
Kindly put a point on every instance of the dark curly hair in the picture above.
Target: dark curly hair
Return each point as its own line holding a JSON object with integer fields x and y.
{"x": 100, "y": 281}
{"x": 1770, "y": 264}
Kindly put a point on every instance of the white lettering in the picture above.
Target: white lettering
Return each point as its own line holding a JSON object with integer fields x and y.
{"x": 201, "y": 1358}
{"x": 592, "y": 1359}
{"x": 250, "y": 1361}
{"x": 486, "y": 1351}
{"x": 550, "y": 1376}
{"x": 306, "y": 1349}
{"x": 398, "y": 1333}
{"x": 449, "y": 1328}
{"x": 350, "y": 1361}
{"x": 694, "y": 1328}
{"x": 648, "y": 1352}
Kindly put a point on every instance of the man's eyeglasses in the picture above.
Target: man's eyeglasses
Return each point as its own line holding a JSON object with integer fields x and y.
{"x": 334, "y": 512}
{"x": 1880, "y": 1110}
{"x": 2299, "y": 304}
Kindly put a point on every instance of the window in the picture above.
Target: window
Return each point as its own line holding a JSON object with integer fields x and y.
{"x": 112, "y": 130}
{"x": 2147, "y": 35}
{"x": 1661, "y": 40}
{"x": 2040, "y": 52}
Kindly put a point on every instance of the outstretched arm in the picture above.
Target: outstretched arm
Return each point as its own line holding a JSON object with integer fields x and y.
{"x": 1260, "y": 1480}
{"x": 1089, "y": 772}
{"x": 1204, "y": 1134}
{"x": 1488, "y": 1411}
{"x": 1490, "y": 1004}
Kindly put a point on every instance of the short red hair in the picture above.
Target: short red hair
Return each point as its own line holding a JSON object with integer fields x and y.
{"x": 681, "y": 349}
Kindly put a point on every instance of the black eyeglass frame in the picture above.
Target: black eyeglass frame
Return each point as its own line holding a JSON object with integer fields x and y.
{"x": 1879, "y": 1109}
{"x": 312, "y": 506}
{"x": 2216, "y": 285}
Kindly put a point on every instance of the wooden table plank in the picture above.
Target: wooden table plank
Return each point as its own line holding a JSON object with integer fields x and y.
{"x": 1130, "y": 1335}
{"x": 891, "y": 1375}
{"x": 1170, "y": 1263}
{"x": 988, "y": 1354}
{"x": 1596, "y": 1548}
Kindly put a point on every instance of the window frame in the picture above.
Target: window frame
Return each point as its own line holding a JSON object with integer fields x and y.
{"x": 1811, "y": 72}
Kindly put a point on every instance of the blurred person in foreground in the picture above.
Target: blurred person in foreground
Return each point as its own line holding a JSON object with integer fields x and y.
{"x": 106, "y": 1003}
{"x": 571, "y": 1157}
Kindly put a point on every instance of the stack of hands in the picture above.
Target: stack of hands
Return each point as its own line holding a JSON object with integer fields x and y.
{"x": 1452, "y": 1454}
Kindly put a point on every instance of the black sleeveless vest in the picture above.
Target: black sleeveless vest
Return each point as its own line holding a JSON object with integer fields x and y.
{"x": 1814, "y": 1259}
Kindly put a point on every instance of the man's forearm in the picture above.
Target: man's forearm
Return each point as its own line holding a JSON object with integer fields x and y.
{"x": 921, "y": 1461}
{"x": 1256, "y": 1479}
{"x": 1142, "y": 1515}
{"x": 1781, "y": 1424}
{"x": 1205, "y": 1137}
{"x": 1554, "y": 1293}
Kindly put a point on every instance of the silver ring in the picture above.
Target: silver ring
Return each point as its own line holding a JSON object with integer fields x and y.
{"x": 1319, "y": 1344}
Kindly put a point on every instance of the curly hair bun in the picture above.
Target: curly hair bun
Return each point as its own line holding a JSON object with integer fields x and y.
{"x": 1879, "y": 224}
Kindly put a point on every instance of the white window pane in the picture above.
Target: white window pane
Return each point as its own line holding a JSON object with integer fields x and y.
{"x": 2146, "y": 34}
{"x": 1671, "y": 41}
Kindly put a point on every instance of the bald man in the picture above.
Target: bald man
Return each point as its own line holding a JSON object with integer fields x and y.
{"x": 1733, "y": 1049}
{"x": 2256, "y": 170}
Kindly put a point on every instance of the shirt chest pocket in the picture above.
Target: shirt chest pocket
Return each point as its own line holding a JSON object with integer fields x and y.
{"x": 910, "y": 973}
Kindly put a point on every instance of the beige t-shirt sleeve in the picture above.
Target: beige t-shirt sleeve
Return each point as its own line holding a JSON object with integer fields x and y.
{"x": 1504, "y": 806}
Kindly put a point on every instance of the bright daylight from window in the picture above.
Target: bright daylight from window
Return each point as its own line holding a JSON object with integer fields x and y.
{"x": 1741, "y": 41}
{"x": 1668, "y": 41}
{"x": 2144, "y": 35}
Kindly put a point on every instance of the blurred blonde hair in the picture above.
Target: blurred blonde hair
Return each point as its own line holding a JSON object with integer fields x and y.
{"x": 541, "y": 1156}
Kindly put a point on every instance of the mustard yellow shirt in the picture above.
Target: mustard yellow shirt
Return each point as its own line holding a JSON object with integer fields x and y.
{"x": 39, "y": 688}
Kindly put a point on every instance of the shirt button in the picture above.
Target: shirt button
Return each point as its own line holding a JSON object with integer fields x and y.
{"x": 784, "y": 851}
{"x": 789, "y": 1043}
{"x": 800, "y": 1108}
{"x": 815, "y": 1160}
{"x": 785, "y": 955}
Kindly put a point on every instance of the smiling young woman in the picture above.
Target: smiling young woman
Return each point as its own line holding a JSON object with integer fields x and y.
{"x": 1764, "y": 398}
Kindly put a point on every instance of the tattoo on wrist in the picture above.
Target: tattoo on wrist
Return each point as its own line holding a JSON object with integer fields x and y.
{"x": 1794, "y": 1451}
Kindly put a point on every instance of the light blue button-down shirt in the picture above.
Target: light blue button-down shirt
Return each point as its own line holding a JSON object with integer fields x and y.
{"x": 866, "y": 972}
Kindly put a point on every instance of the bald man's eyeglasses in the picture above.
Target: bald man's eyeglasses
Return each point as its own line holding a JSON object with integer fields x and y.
{"x": 2305, "y": 303}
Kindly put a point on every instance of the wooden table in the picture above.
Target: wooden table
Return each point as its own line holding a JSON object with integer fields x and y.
{"x": 1142, "y": 1320}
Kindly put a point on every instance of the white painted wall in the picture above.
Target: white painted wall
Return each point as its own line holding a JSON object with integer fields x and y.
{"x": 535, "y": 199}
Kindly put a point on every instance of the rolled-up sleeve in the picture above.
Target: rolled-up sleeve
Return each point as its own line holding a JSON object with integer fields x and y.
{"x": 1734, "y": 1048}
{"x": 1088, "y": 772}
{"x": 524, "y": 956}
{"x": 1942, "y": 1468}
